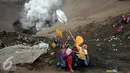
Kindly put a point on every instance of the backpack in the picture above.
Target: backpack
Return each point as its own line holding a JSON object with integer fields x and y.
{"x": 75, "y": 59}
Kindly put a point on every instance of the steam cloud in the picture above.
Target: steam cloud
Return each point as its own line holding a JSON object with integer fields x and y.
{"x": 40, "y": 14}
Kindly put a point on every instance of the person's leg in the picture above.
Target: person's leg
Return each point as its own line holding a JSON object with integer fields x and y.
{"x": 70, "y": 60}
{"x": 86, "y": 62}
{"x": 63, "y": 63}
{"x": 128, "y": 20}
{"x": 76, "y": 60}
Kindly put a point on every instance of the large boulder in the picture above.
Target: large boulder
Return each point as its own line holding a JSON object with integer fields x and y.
{"x": 23, "y": 54}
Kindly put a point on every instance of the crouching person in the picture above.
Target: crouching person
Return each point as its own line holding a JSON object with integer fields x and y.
{"x": 83, "y": 54}
{"x": 62, "y": 59}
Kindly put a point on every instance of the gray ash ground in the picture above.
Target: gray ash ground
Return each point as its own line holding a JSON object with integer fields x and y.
{"x": 113, "y": 53}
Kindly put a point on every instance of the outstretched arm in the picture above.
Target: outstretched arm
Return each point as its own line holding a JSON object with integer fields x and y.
{"x": 74, "y": 51}
{"x": 78, "y": 47}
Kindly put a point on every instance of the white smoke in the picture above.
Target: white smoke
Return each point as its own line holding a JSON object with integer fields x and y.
{"x": 40, "y": 13}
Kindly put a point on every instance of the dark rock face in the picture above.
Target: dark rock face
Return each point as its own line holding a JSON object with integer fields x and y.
{"x": 18, "y": 28}
{"x": 32, "y": 30}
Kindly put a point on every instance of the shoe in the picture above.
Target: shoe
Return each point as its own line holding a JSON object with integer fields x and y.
{"x": 72, "y": 71}
{"x": 58, "y": 63}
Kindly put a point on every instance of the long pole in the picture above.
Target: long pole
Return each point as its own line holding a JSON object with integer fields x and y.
{"x": 70, "y": 32}
{"x": 71, "y": 35}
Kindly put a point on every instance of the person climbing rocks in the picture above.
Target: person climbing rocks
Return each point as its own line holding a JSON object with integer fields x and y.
{"x": 83, "y": 54}
{"x": 69, "y": 58}
{"x": 120, "y": 30}
{"x": 122, "y": 21}
{"x": 62, "y": 59}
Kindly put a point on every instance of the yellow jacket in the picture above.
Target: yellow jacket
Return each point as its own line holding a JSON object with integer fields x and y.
{"x": 82, "y": 53}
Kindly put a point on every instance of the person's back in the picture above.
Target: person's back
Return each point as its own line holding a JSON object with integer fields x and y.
{"x": 63, "y": 54}
{"x": 75, "y": 59}
{"x": 62, "y": 57}
{"x": 83, "y": 53}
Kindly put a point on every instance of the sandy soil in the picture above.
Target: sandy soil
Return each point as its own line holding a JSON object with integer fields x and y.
{"x": 103, "y": 55}
{"x": 83, "y": 12}
{"x": 78, "y": 13}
